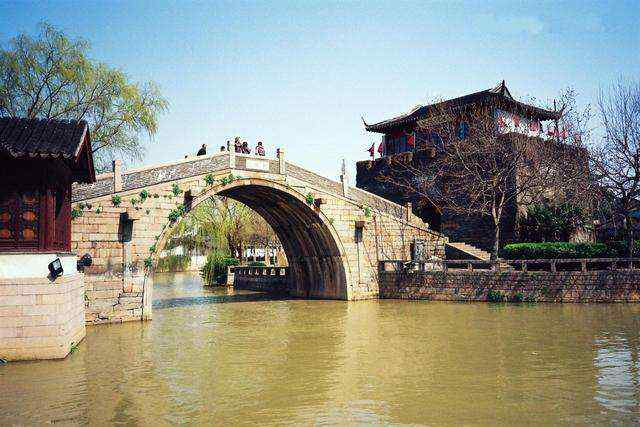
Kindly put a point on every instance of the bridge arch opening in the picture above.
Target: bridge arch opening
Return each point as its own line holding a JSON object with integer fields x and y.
{"x": 314, "y": 252}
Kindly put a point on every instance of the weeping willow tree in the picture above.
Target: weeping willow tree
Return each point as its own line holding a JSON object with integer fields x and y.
{"x": 223, "y": 225}
{"x": 51, "y": 76}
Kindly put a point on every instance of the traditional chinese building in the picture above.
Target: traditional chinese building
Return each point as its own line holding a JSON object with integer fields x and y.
{"x": 421, "y": 129}
{"x": 39, "y": 160}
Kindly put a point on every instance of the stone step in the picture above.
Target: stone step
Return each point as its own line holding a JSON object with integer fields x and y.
{"x": 471, "y": 250}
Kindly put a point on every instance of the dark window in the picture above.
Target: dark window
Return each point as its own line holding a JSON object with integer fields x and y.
{"x": 396, "y": 145}
{"x": 19, "y": 219}
{"x": 463, "y": 130}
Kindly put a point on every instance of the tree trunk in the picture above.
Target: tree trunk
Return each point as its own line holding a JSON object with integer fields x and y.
{"x": 629, "y": 234}
{"x": 496, "y": 242}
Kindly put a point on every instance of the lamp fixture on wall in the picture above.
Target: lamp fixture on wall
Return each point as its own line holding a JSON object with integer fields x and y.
{"x": 55, "y": 268}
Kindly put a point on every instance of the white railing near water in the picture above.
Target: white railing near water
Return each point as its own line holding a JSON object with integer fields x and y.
{"x": 260, "y": 271}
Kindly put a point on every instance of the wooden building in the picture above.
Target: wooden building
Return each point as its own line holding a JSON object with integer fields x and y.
{"x": 39, "y": 159}
{"x": 423, "y": 128}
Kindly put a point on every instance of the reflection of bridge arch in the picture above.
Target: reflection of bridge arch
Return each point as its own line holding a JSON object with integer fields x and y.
{"x": 333, "y": 245}
{"x": 316, "y": 256}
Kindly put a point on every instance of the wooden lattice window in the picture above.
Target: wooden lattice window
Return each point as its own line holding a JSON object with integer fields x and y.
{"x": 20, "y": 219}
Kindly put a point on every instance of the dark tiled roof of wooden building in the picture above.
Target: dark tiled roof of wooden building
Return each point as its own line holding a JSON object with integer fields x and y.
{"x": 20, "y": 137}
{"x": 67, "y": 140}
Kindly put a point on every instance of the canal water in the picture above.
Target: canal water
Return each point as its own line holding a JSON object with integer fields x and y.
{"x": 224, "y": 358}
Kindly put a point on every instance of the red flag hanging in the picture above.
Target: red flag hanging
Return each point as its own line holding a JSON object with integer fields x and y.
{"x": 410, "y": 140}
{"x": 372, "y": 149}
{"x": 381, "y": 147}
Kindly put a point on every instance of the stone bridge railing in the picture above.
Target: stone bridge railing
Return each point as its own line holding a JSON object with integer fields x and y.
{"x": 265, "y": 279}
{"x": 139, "y": 178}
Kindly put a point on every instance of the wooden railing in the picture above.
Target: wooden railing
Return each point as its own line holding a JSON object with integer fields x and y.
{"x": 260, "y": 271}
{"x": 548, "y": 265}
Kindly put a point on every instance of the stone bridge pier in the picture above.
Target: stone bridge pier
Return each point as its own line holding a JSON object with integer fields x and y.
{"x": 333, "y": 235}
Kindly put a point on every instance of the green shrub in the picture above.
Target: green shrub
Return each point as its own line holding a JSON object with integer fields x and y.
{"x": 173, "y": 263}
{"x": 367, "y": 211}
{"x": 495, "y": 296}
{"x": 144, "y": 195}
{"x": 257, "y": 264}
{"x": 175, "y": 189}
{"x": 76, "y": 213}
{"x": 551, "y": 223}
{"x": 148, "y": 262}
{"x": 620, "y": 248}
{"x": 557, "y": 250}
{"x": 310, "y": 199}
{"x": 215, "y": 269}
{"x": 116, "y": 200}
{"x": 176, "y": 213}
{"x": 518, "y": 297}
{"x": 209, "y": 179}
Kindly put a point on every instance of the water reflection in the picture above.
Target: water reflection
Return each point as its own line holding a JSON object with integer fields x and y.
{"x": 255, "y": 359}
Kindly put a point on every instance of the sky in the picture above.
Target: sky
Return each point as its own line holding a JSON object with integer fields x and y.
{"x": 300, "y": 75}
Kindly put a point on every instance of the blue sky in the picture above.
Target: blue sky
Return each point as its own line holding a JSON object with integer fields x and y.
{"x": 299, "y": 75}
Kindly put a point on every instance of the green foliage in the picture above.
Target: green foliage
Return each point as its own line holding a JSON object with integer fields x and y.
{"x": 98, "y": 210}
{"x": 51, "y": 76}
{"x": 557, "y": 250}
{"x": 152, "y": 249}
{"x": 156, "y": 196}
{"x": 175, "y": 189}
{"x": 209, "y": 179}
{"x": 148, "y": 262}
{"x": 73, "y": 348}
{"x": 173, "y": 216}
{"x": 144, "y": 195}
{"x": 76, "y": 213}
{"x": 367, "y": 212}
{"x": 257, "y": 264}
{"x": 495, "y": 296}
{"x": 215, "y": 269}
{"x": 173, "y": 263}
{"x": 620, "y": 248}
{"x": 116, "y": 200}
{"x": 81, "y": 206}
{"x": 309, "y": 199}
{"x": 551, "y": 223}
{"x": 518, "y": 297}
{"x": 227, "y": 179}
{"x": 134, "y": 201}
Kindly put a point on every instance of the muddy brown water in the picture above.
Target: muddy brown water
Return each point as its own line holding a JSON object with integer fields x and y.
{"x": 224, "y": 358}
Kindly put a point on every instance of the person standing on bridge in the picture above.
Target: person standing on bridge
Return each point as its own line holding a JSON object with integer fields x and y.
{"x": 245, "y": 148}
{"x": 237, "y": 145}
{"x": 203, "y": 150}
{"x": 260, "y": 149}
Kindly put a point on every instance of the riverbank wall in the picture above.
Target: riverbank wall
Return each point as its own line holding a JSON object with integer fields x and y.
{"x": 40, "y": 317}
{"x": 566, "y": 287}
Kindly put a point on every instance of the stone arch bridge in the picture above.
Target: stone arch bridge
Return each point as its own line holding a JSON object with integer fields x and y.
{"x": 333, "y": 235}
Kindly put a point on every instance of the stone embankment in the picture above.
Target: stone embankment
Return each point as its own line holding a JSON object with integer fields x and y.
{"x": 613, "y": 285}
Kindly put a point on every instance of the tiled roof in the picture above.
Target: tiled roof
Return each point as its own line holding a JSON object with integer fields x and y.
{"x": 21, "y": 137}
{"x": 499, "y": 94}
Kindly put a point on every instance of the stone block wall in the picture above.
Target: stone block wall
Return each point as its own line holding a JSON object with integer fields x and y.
{"x": 39, "y": 318}
{"x": 571, "y": 287}
{"x": 118, "y": 285}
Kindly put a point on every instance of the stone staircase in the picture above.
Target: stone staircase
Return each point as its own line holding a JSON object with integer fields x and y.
{"x": 469, "y": 250}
